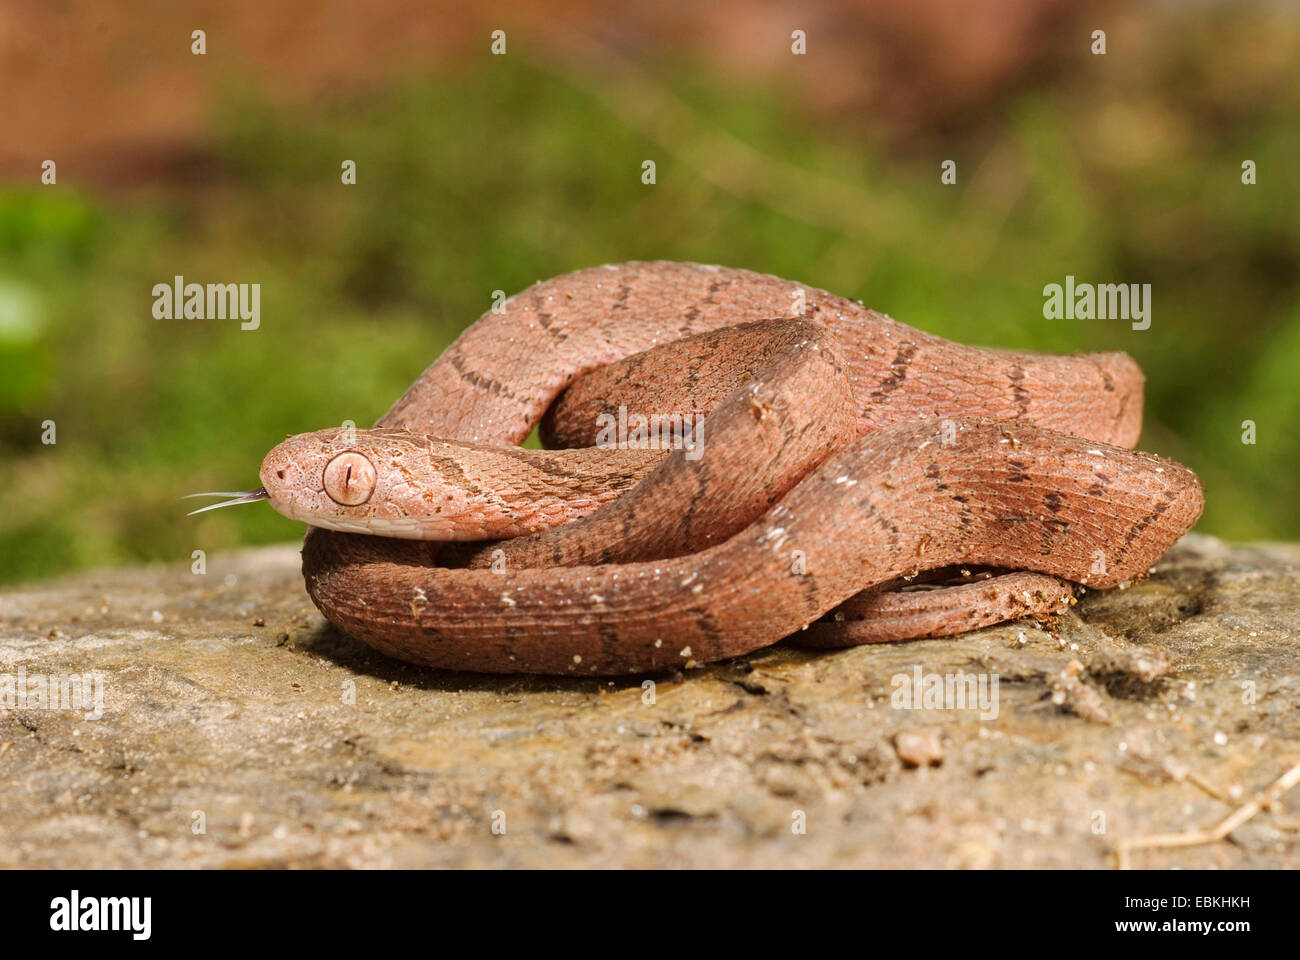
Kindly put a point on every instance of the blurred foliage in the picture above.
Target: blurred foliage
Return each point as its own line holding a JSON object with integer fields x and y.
{"x": 510, "y": 172}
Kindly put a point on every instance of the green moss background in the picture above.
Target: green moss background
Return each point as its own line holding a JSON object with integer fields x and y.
{"x": 508, "y": 172}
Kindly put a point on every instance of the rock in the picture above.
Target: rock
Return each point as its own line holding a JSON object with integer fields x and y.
{"x": 222, "y": 742}
{"x": 919, "y": 748}
{"x": 1138, "y": 662}
{"x": 1069, "y": 689}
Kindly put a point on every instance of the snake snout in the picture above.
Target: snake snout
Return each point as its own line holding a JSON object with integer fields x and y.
{"x": 292, "y": 476}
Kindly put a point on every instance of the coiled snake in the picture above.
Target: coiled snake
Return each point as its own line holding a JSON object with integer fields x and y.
{"x": 842, "y": 455}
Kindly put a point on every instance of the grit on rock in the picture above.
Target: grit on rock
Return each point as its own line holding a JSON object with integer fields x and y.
{"x": 239, "y": 730}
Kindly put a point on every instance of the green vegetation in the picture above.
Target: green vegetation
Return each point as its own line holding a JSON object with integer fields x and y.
{"x": 507, "y": 173}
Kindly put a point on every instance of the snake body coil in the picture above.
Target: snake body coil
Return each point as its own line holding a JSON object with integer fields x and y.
{"x": 843, "y": 451}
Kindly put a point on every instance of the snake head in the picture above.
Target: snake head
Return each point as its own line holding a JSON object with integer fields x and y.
{"x": 342, "y": 479}
{"x": 383, "y": 482}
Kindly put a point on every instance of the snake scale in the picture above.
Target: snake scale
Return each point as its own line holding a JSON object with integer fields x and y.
{"x": 843, "y": 455}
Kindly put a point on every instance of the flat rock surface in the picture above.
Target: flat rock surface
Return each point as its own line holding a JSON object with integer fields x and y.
{"x": 234, "y": 728}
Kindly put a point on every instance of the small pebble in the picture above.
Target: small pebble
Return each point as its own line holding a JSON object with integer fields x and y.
{"x": 919, "y": 748}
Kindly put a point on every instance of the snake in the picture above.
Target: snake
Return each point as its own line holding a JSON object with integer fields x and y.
{"x": 831, "y": 475}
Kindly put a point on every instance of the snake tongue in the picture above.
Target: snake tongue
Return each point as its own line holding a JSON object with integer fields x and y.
{"x": 244, "y": 496}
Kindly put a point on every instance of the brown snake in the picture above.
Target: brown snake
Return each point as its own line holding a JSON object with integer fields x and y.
{"x": 845, "y": 453}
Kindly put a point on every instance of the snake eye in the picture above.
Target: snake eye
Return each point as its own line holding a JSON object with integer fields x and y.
{"x": 349, "y": 479}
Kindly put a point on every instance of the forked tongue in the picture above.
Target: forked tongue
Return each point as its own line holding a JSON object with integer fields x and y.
{"x": 240, "y": 496}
